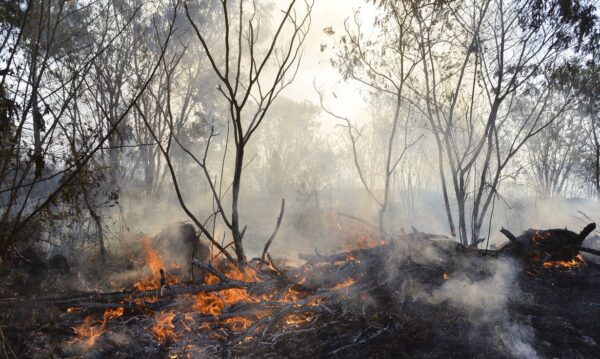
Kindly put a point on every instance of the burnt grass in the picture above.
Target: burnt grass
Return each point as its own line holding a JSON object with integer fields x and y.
{"x": 564, "y": 310}
{"x": 394, "y": 314}
{"x": 561, "y": 307}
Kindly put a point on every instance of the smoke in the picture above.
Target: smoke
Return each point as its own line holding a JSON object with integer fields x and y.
{"x": 483, "y": 291}
{"x": 485, "y": 301}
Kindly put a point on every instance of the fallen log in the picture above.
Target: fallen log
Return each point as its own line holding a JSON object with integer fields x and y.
{"x": 537, "y": 246}
{"x": 96, "y": 297}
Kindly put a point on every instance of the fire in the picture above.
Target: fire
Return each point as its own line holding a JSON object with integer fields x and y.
{"x": 156, "y": 265}
{"x": 292, "y": 294}
{"x": 573, "y": 263}
{"x": 296, "y": 319}
{"x": 153, "y": 260}
{"x": 163, "y": 327}
{"x": 92, "y": 328}
{"x": 113, "y": 313}
{"x": 213, "y": 304}
{"x": 361, "y": 239}
{"x": 237, "y": 324}
{"x": 168, "y": 327}
{"x": 348, "y": 282}
{"x": 208, "y": 303}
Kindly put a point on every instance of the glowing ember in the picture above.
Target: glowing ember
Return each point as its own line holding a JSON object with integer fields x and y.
{"x": 348, "y": 282}
{"x": 296, "y": 319}
{"x": 540, "y": 236}
{"x": 574, "y": 263}
{"x": 238, "y": 324}
{"x": 292, "y": 294}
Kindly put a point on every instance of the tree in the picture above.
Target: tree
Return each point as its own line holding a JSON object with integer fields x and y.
{"x": 476, "y": 60}
{"x": 555, "y": 153}
{"x": 385, "y": 66}
{"x": 250, "y": 79}
{"x": 66, "y": 41}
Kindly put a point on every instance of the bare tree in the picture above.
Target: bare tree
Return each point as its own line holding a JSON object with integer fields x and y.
{"x": 556, "y": 152}
{"x": 254, "y": 72}
{"x": 70, "y": 43}
{"x": 360, "y": 58}
{"x": 469, "y": 97}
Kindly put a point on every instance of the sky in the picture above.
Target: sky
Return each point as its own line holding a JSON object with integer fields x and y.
{"x": 316, "y": 68}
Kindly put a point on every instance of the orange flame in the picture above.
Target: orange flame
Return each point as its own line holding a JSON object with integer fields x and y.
{"x": 573, "y": 263}
{"x": 155, "y": 263}
{"x": 292, "y": 294}
{"x": 91, "y": 328}
{"x": 296, "y": 319}
{"x": 348, "y": 282}
{"x": 212, "y": 304}
{"x": 163, "y": 327}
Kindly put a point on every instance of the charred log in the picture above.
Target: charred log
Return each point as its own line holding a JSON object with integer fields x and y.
{"x": 539, "y": 246}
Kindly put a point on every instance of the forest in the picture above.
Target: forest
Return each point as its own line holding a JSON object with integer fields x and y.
{"x": 299, "y": 178}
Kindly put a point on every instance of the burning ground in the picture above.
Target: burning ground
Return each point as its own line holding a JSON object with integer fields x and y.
{"x": 415, "y": 295}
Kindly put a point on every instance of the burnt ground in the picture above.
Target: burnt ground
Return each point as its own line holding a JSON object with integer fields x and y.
{"x": 564, "y": 310}
{"x": 432, "y": 301}
{"x": 557, "y": 313}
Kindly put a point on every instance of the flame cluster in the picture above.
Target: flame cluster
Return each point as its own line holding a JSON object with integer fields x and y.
{"x": 163, "y": 328}
{"x": 213, "y": 304}
{"x": 166, "y": 325}
{"x": 155, "y": 263}
{"x": 92, "y": 327}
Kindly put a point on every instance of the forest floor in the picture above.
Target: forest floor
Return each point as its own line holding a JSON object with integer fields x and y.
{"x": 412, "y": 297}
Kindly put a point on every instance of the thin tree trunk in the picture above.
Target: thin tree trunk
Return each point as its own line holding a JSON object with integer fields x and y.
{"x": 597, "y": 158}
{"x": 98, "y": 221}
{"x": 38, "y": 121}
{"x": 235, "y": 221}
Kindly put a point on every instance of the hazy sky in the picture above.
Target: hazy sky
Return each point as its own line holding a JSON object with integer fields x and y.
{"x": 316, "y": 67}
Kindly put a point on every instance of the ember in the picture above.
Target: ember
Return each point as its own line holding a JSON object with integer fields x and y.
{"x": 148, "y": 148}
{"x": 246, "y": 309}
{"x": 576, "y": 262}
{"x": 346, "y": 283}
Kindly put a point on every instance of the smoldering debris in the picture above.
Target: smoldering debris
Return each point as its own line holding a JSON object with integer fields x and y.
{"x": 410, "y": 296}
